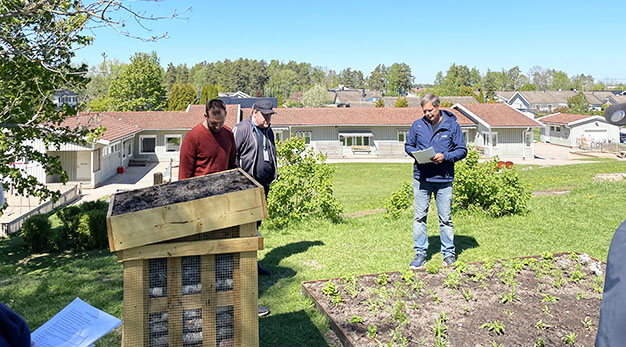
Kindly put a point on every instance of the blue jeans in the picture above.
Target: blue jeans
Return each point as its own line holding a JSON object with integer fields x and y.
{"x": 422, "y": 192}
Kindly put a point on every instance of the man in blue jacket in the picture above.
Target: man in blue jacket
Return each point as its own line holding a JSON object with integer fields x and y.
{"x": 440, "y": 130}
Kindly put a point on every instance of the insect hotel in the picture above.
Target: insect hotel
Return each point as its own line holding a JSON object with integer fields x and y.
{"x": 190, "y": 262}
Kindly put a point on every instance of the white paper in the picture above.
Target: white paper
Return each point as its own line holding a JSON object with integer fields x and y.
{"x": 424, "y": 156}
{"x": 77, "y": 325}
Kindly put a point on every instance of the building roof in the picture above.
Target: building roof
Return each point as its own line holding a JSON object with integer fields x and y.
{"x": 547, "y": 97}
{"x": 354, "y": 96}
{"x": 506, "y": 94}
{"x": 501, "y": 115}
{"x": 564, "y": 118}
{"x": 332, "y": 116}
{"x": 120, "y": 124}
{"x": 459, "y": 99}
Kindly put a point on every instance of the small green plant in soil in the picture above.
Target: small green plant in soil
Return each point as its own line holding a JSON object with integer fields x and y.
{"x": 541, "y": 325}
{"x": 582, "y": 295}
{"x": 371, "y": 331}
{"x": 550, "y": 298}
{"x": 559, "y": 278}
{"x": 586, "y": 323}
{"x": 495, "y": 326}
{"x": 546, "y": 310}
{"x": 418, "y": 286}
{"x": 509, "y": 312}
{"x": 355, "y": 319}
{"x": 351, "y": 285}
{"x": 509, "y": 297}
{"x": 569, "y": 338}
{"x": 467, "y": 294}
{"x": 453, "y": 280}
{"x": 577, "y": 275}
{"x": 598, "y": 284}
{"x": 382, "y": 280}
{"x": 540, "y": 343}
{"x": 440, "y": 330}
{"x": 331, "y": 290}
{"x": 434, "y": 296}
{"x": 432, "y": 269}
{"x": 460, "y": 267}
{"x": 547, "y": 256}
{"x": 408, "y": 277}
{"x": 399, "y": 313}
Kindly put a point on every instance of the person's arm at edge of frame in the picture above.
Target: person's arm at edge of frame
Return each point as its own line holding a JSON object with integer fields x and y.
{"x": 233, "y": 163}
{"x": 187, "y": 160}
{"x": 460, "y": 148}
{"x": 410, "y": 144}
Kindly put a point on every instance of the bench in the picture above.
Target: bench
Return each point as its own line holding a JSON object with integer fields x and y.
{"x": 361, "y": 149}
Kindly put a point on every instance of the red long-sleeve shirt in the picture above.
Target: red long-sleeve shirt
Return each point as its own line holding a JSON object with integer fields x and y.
{"x": 203, "y": 152}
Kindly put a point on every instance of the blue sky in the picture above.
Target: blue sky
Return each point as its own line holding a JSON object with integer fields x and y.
{"x": 572, "y": 36}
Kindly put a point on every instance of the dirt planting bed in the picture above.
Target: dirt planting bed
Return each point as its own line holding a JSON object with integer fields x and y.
{"x": 181, "y": 191}
{"x": 548, "y": 300}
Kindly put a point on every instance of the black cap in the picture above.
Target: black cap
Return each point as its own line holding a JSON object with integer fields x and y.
{"x": 264, "y": 106}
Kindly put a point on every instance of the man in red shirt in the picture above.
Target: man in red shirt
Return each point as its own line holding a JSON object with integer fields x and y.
{"x": 210, "y": 146}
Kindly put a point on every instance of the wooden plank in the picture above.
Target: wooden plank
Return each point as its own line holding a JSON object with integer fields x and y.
{"x": 108, "y": 218}
{"x": 135, "y": 305}
{"x": 237, "y": 294}
{"x": 187, "y": 218}
{"x": 260, "y": 238}
{"x": 208, "y": 301}
{"x": 249, "y": 299}
{"x": 174, "y": 293}
{"x": 179, "y": 249}
{"x": 248, "y": 229}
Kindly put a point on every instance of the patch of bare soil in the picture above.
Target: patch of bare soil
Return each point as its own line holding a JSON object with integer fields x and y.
{"x": 535, "y": 301}
{"x": 180, "y": 191}
{"x": 550, "y": 192}
{"x": 362, "y": 213}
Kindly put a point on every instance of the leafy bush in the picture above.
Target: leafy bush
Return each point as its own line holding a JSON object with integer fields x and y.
{"x": 92, "y": 230}
{"x": 36, "y": 231}
{"x": 70, "y": 216}
{"x": 399, "y": 201}
{"x": 304, "y": 187}
{"x": 484, "y": 186}
{"x": 94, "y": 205}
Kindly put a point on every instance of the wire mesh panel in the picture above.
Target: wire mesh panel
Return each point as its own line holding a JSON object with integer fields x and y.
{"x": 192, "y": 300}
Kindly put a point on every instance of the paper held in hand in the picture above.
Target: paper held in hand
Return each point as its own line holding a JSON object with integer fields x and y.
{"x": 424, "y": 156}
{"x": 77, "y": 325}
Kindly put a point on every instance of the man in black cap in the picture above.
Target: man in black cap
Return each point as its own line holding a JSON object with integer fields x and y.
{"x": 256, "y": 153}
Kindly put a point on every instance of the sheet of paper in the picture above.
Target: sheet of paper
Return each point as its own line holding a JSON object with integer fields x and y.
{"x": 77, "y": 325}
{"x": 424, "y": 156}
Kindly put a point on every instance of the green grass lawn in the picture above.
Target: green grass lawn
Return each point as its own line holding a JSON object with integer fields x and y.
{"x": 583, "y": 220}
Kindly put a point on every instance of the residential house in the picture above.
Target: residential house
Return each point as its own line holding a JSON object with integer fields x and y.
{"x": 533, "y": 102}
{"x": 65, "y": 96}
{"x": 575, "y": 130}
{"x": 503, "y": 96}
{"x": 243, "y": 99}
{"x": 356, "y": 97}
{"x": 500, "y": 130}
{"x": 414, "y": 101}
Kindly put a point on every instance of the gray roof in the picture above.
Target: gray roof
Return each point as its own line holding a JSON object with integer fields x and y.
{"x": 459, "y": 99}
{"x": 414, "y": 101}
{"x": 356, "y": 95}
{"x": 506, "y": 94}
{"x": 547, "y": 97}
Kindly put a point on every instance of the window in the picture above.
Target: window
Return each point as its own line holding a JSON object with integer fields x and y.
{"x": 347, "y": 141}
{"x": 116, "y": 147}
{"x": 128, "y": 148}
{"x": 278, "y": 136}
{"x": 528, "y": 138}
{"x": 493, "y": 139}
{"x": 96, "y": 160}
{"x": 172, "y": 143}
{"x": 402, "y": 135}
{"x": 147, "y": 144}
{"x": 306, "y": 135}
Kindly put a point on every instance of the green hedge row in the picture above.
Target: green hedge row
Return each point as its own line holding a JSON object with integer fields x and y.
{"x": 84, "y": 227}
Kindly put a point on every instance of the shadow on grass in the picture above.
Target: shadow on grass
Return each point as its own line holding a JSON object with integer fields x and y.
{"x": 273, "y": 258}
{"x": 461, "y": 243}
{"x": 289, "y": 329}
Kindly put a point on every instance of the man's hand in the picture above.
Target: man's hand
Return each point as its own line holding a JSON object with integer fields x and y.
{"x": 438, "y": 158}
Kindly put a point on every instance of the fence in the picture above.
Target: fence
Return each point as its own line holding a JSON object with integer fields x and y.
{"x": 15, "y": 225}
{"x": 600, "y": 146}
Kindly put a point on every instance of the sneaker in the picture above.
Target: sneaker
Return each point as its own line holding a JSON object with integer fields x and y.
{"x": 449, "y": 260}
{"x": 418, "y": 261}
{"x": 263, "y": 311}
{"x": 263, "y": 271}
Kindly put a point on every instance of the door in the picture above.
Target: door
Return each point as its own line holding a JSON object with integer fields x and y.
{"x": 83, "y": 169}
{"x": 596, "y": 135}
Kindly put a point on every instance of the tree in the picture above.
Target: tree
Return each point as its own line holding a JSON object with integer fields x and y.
{"x": 139, "y": 87}
{"x": 481, "y": 97}
{"x": 316, "y": 96}
{"x": 466, "y": 91}
{"x": 351, "y": 78}
{"x": 475, "y": 78}
{"x": 399, "y": 79}
{"x": 401, "y": 102}
{"x": 560, "y": 81}
{"x": 457, "y": 77}
{"x": 541, "y": 77}
{"x": 100, "y": 77}
{"x": 377, "y": 79}
{"x": 578, "y": 103}
{"x": 380, "y": 103}
{"x": 181, "y": 95}
{"x": 208, "y": 92}
{"x": 528, "y": 87}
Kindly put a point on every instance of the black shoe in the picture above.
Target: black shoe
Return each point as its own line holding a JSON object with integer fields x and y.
{"x": 263, "y": 271}
{"x": 263, "y": 311}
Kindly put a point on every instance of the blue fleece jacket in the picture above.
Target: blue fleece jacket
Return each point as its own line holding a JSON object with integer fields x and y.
{"x": 447, "y": 139}
{"x": 14, "y": 331}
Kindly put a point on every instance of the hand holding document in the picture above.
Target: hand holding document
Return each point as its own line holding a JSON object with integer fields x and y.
{"x": 77, "y": 325}
{"x": 424, "y": 156}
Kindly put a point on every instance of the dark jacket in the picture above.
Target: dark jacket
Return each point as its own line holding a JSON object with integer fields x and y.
{"x": 447, "y": 139}
{"x": 611, "y": 330}
{"x": 14, "y": 331}
{"x": 248, "y": 148}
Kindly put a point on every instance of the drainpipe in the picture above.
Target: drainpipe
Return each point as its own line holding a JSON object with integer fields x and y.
{"x": 524, "y": 145}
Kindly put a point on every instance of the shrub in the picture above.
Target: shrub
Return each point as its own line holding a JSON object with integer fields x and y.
{"x": 484, "y": 186}
{"x": 304, "y": 187}
{"x": 92, "y": 230}
{"x": 399, "y": 201}
{"x": 70, "y": 216}
{"x": 36, "y": 233}
{"x": 94, "y": 205}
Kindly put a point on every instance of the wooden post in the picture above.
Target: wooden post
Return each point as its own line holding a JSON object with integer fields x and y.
{"x": 158, "y": 178}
